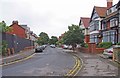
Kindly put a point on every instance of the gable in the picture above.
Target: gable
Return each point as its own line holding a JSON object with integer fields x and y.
{"x": 95, "y": 15}
{"x": 18, "y": 26}
{"x": 98, "y": 12}
{"x": 82, "y": 25}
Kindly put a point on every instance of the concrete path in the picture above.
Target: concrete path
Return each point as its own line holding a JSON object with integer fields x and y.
{"x": 94, "y": 65}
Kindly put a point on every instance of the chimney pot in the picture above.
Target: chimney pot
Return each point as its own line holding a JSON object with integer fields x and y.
{"x": 15, "y": 22}
{"x": 109, "y": 3}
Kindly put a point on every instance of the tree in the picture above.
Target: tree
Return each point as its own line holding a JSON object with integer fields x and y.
{"x": 53, "y": 40}
{"x": 3, "y": 43}
{"x": 4, "y": 28}
{"x": 73, "y": 36}
{"x": 43, "y": 38}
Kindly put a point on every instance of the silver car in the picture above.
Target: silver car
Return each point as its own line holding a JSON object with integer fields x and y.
{"x": 108, "y": 52}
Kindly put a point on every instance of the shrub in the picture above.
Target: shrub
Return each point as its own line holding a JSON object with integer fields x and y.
{"x": 4, "y": 47}
{"x": 118, "y": 43}
{"x": 105, "y": 44}
{"x": 82, "y": 44}
{"x": 86, "y": 46}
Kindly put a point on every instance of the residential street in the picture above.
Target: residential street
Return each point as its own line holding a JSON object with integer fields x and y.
{"x": 58, "y": 62}
{"x": 51, "y": 62}
{"x": 68, "y": 39}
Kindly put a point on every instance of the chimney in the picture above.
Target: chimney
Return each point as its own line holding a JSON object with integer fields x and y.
{"x": 15, "y": 22}
{"x": 109, "y": 3}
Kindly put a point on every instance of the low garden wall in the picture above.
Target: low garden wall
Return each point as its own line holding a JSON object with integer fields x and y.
{"x": 92, "y": 48}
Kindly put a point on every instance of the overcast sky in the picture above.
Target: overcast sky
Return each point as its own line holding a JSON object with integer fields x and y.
{"x": 50, "y": 16}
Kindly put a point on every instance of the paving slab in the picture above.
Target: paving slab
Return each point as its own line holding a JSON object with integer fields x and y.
{"x": 94, "y": 65}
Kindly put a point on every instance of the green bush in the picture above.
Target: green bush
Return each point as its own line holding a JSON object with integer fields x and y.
{"x": 4, "y": 47}
{"x": 105, "y": 44}
{"x": 118, "y": 43}
{"x": 86, "y": 46}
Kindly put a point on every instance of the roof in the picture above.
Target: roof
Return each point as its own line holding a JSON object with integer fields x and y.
{"x": 85, "y": 21}
{"x": 17, "y": 25}
{"x": 118, "y": 4}
{"x": 24, "y": 26}
{"x": 101, "y": 11}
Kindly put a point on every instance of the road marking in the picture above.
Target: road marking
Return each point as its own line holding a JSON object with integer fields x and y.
{"x": 78, "y": 65}
{"x": 70, "y": 71}
{"x": 18, "y": 60}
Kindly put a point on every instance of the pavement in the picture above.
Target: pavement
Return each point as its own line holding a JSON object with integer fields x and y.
{"x": 96, "y": 65}
{"x": 18, "y": 56}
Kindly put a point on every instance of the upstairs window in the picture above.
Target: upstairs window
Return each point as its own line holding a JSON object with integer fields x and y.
{"x": 113, "y": 22}
{"x": 94, "y": 25}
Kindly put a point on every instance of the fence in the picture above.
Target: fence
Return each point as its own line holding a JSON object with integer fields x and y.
{"x": 16, "y": 43}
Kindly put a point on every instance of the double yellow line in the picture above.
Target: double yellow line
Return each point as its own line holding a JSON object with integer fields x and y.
{"x": 19, "y": 60}
{"x": 76, "y": 68}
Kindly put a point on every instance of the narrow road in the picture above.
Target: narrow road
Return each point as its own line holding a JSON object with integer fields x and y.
{"x": 51, "y": 62}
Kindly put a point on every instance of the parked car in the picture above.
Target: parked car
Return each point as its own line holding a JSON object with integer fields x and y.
{"x": 108, "y": 52}
{"x": 70, "y": 47}
{"x": 39, "y": 49}
{"x": 65, "y": 47}
{"x": 52, "y": 45}
{"x": 44, "y": 46}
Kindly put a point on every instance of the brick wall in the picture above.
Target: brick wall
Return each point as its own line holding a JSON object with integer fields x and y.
{"x": 87, "y": 38}
{"x": 92, "y": 48}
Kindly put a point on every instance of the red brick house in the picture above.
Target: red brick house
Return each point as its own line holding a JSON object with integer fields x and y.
{"x": 17, "y": 30}
{"x": 84, "y": 24}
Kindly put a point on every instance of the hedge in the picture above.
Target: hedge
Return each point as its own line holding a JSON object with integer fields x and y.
{"x": 118, "y": 43}
{"x": 105, "y": 44}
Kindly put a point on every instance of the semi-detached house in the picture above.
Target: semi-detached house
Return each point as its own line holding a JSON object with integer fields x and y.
{"x": 104, "y": 24}
{"x": 118, "y": 8}
{"x": 84, "y": 24}
{"x": 110, "y": 28}
{"x": 97, "y": 16}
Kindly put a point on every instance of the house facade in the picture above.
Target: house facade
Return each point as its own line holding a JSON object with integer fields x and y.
{"x": 84, "y": 24}
{"x": 118, "y": 8}
{"x": 27, "y": 31}
{"x": 17, "y": 30}
{"x": 110, "y": 26}
{"x": 33, "y": 36}
{"x": 97, "y": 16}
